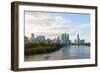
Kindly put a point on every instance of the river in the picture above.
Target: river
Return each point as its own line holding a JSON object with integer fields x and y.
{"x": 66, "y": 52}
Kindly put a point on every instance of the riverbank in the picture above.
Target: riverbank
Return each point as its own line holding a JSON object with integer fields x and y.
{"x": 41, "y": 48}
{"x": 64, "y": 53}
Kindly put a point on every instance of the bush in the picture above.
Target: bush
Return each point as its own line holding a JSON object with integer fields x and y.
{"x": 40, "y": 48}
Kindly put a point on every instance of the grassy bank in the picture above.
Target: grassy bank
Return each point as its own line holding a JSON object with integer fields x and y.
{"x": 40, "y": 48}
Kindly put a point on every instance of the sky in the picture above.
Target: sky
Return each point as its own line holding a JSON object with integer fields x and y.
{"x": 53, "y": 24}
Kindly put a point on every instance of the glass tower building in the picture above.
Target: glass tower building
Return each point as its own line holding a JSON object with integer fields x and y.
{"x": 65, "y": 39}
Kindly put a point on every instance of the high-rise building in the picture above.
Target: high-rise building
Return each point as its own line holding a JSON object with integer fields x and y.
{"x": 63, "y": 38}
{"x": 54, "y": 40}
{"x": 75, "y": 42}
{"x": 40, "y": 39}
{"x": 32, "y": 38}
{"x": 78, "y": 39}
{"x": 58, "y": 40}
{"x": 68, "y": 42}
{"x": 48, "y": 41}
{"x": 82, "y": 42}
{"x": 26, "y": 40}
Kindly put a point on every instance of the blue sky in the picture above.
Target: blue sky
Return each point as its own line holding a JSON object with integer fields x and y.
{"x": 77, "y": 18}
{"x": 53, "y": 24}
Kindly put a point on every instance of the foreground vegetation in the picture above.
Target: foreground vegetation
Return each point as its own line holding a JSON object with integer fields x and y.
{"x": 40, "y": 48}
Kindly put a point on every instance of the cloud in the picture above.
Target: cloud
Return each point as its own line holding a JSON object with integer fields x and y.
{"x": 42, "y": 23}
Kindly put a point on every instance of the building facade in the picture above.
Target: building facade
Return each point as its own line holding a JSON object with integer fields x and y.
{"x": 65, "y": 39}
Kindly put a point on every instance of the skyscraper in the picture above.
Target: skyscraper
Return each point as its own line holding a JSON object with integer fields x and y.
{"x": 26, "y": 40}
{"x": 64, "y": 39}
{"x": 78, "y": 39}
{"x": 58, "y": 40}
{"x": 67, "y": 39}
{"x": 82, "y": 42}
{"x": 40, "y": 38}
{"x": 32, "y": 38}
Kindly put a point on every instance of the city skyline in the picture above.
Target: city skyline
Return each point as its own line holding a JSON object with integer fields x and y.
{"x": 76, "y": 37}
{"x": 52, "y": 24}
{"x": 64, "y": 39}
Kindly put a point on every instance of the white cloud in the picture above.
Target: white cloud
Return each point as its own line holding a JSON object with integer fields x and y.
{"x": 41, "y": 23}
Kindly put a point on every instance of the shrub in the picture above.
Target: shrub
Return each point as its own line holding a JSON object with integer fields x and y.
{"x": 41, "y": 48}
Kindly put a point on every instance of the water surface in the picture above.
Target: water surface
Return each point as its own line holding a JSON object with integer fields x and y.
{"x": 66, "y": 52}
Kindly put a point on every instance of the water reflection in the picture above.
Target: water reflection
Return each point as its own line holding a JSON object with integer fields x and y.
{"x": 66, "y": 52}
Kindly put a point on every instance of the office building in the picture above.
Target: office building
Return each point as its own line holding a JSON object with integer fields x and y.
{"x": 40, "y": 39}
{"x": 32, "y": 38}
{"x": 26, "y": 40}
{"x": 82, "y": 42}
{"x": 65, "y": 39}
{"x": 78, "y": 39}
